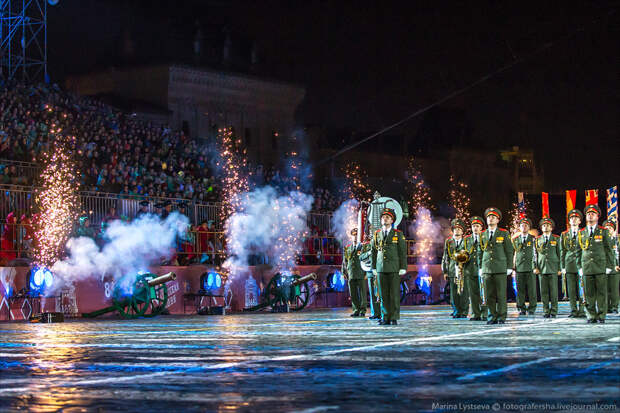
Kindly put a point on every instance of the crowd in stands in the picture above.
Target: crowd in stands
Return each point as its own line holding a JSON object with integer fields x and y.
{"x": 117, "y": 153}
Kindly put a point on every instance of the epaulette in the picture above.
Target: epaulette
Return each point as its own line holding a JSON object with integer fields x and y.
{"x": 467, "y": 236}
{"x": 502, "y": 229}
{"x": 515, "y": 236}
{"x": 484, "y": 230}
{"x": 555, "y": 235}
{"x": 540, "y": 236}
{"x": 397, "y": 230}
{"x": 582, "y": 229}
{"x": 348, "y": 245}
{"x": 601, "y": 227}
{"x": 448, "y": 239}
{"x": 377, "y": 231}
{"x": 565, "y": 232}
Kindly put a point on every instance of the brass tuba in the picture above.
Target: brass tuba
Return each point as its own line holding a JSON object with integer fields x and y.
{"x": 461, "y": 257}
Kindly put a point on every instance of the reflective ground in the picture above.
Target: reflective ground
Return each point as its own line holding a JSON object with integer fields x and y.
{"x": 311, "y": 361}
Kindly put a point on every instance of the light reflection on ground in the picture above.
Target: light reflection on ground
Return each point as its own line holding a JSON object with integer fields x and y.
{"x": 321, "y": 360}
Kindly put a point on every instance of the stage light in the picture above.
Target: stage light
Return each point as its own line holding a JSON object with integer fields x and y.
{"x": 40, "y": 279}
{"x": 210, "y": 281}
{"x": 423, "y": 282}
{"x": 336, "y": 281}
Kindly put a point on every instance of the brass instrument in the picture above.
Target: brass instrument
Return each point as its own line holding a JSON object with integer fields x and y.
{"x": 461, "y": 257}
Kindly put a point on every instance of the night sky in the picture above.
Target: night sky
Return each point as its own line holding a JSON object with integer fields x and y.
{"x": 366, "y": 65}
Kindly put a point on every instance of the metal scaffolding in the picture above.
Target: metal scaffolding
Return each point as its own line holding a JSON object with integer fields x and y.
{"x": 23, "y": 40}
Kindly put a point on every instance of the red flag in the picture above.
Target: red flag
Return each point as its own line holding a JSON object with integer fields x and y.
{"x": 591, "y": 197}
{"x": 545, "y": 204}
{"x": 571, "y": 202}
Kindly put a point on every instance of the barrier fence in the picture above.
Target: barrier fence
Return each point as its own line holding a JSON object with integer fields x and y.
{"x": 96, "y": 205}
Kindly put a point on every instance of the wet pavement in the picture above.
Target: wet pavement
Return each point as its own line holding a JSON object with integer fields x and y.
{"x": 311, "y": 361}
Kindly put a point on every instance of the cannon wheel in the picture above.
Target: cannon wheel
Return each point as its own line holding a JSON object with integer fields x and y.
{"x": 135, "y": 305}
{"x": 404, "y": 289}
{"x": 298, "y": 295}
{"x": 301, "y": 296}
{"x": 157, "y": 300}
{"x": 272, "y": 294}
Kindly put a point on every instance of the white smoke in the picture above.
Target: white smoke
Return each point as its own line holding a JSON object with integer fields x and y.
{"x": 345, "y": 219}
{"x": 130, "y": 247}
{"x": 267, "y": 224}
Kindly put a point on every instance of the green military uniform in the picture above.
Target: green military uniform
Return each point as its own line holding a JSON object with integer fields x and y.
{"x": 594, "y": 258}
{"x": 495, "y": 254}
{"x": 389, "y": 257}
{"x": 523, "y": 266}
{"x": 373, "y": 286}
{"x": 458, "y": 298}
{"x": 547, "y": 262}
{"x": 351, "y": 267}
{"x": 472, "y": 278}
{"x": 569, "y": 247}
{"x": 613, "y": 279}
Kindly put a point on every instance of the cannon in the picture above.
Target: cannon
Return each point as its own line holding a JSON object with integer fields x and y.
{"x": 146, "y": 296}
{"x": 290, "y": 291}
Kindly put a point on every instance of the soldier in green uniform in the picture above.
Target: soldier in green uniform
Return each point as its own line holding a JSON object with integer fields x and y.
{"x": 547, "y": 266}
{"x": 495, "y": 256}
{"x": 472, "y": 281}
{"x": 388, "y": 263}
{"x": 449, "y": 267}
{"x": 373, "y": 290}
{"x": 613, "y": 280}
{"x": 595, "y": 260}
{"x": 523, "y": 244}
{"x": 569, "y": 248}
{"x": 351, "y": 268}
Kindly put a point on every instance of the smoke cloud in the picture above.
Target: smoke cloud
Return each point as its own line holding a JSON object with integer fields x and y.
{"x": 345, "y": 219}
{"x": 267, "y": 224}
{"x": 130, "y": 247}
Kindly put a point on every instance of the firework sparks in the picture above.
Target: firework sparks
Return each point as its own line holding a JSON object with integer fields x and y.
{"x": 57, "y": 200}
{"x": 459, "y": 199}
{"x": 425, "y": 233}
{"x": 419, "y": 190}
{"x": 518, "y": 211}
{"x": 232, "y": 163}
{"x": 356, "y": 186}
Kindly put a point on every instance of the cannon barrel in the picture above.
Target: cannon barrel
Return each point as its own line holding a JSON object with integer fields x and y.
{"x": 162, "y": 279}
{"x": 305, "y": 278}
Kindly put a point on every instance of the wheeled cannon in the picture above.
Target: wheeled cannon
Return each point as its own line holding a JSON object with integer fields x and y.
{"x": 146, "y": 296}
{"x": 285, "y": 290}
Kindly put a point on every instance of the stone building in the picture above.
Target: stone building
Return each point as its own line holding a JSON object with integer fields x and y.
{"x": 199, "y": 101}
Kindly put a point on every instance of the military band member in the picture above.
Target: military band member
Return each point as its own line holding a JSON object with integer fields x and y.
{"x": 373, "y": 286}
{"x": 569, "y": 247}
{"x": 352, "y": 269}
{"x": 450, "y": 269}
{"x": 595, "y": 261}
{"x": 613, "y": 280}
{"x": 472, "y": 280}
{"x": 495, "y": 254}
{"x": 389, "y": 262}
{"x": 523, "y": 244}
{"x": 547, "y": 266}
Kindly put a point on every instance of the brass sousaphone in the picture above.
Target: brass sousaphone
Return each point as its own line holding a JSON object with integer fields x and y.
{"x": 370, "y": 214}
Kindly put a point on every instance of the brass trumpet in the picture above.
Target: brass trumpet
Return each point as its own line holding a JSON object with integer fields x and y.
{"x": 461, "y": 257}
